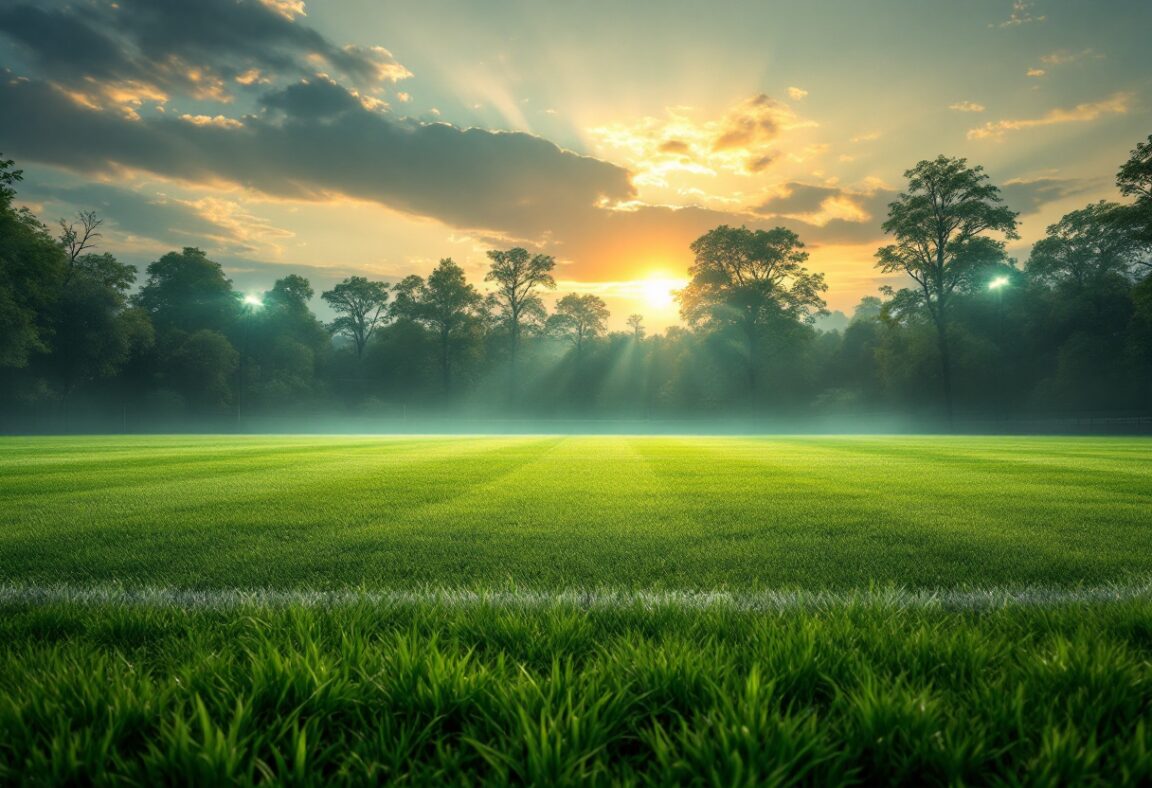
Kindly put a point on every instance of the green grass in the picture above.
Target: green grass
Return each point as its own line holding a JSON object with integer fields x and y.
{"x": 547, "y": 610}
{"x": 555, "y": 512}
{"x": 438, "y": 695}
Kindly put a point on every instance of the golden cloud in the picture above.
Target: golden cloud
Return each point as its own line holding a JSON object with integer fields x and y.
{"x": 1063, "y": 57}
{"x": 1021, "y": 15}
{"x": 289, "y": 9}
{"x": 219, "y": 121}
{"x": 684, "y": 159}
{"x": 1118, "y": 104}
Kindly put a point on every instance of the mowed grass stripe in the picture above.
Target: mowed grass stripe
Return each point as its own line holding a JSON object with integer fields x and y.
{"x": 74, "y": 471}
{"x": 1078, "y": 461}
{"x": 1023, "y": 522}
{"x": 585, "y": 512}
{"x": 584, "y": 506}
{"x": 294, "y": 522}
{"x": 215, "y": 476}
{"x": 790, "y": 516}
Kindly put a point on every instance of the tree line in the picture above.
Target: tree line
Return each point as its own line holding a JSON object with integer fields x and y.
{"x": 973, "y": 333}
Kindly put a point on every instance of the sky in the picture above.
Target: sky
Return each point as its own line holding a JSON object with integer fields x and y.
{"x": 333, "y": 138}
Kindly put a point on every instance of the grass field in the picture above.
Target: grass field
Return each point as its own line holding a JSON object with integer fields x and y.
{"x": 576, "y": 609}
{"x": 567, "y": 512}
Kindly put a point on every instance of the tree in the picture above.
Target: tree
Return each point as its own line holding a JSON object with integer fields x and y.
{"x": 751, "y": 281}
{"x": 292, "y": 292}
{"x": 636, "y": 323}
{"x": 78, "y": 240}
{"x": 1087, "y": 247}
{"x": 8, "y": 178}
{"x": 286, "y": 312}
{"x": 191, "y": 305}
{"x": 186, "y": 292}
{"x": 451, "y": 308}
{"x": 518, "y": 275}
{"x": 284, "y": 345}
{"x": 93, "y": 332}
{"x": 202, "y": 365}
{"x": 405, "y": 298}
{"x": 940, "y": 225}
{"x": 32, "y": 266}
{"x": 579, "y": 318}
{"x": 361, "y": 306}
{"x": 1135, "y": 175}
{"x": 1135, "y": 180}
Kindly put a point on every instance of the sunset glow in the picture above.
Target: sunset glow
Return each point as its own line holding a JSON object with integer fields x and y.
{"x": 660, "y": 292}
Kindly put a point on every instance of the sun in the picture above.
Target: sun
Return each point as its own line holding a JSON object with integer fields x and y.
{"x": 659, "y": 291}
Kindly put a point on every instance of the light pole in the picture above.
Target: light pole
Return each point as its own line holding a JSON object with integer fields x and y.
{"x": 997, "y": 286}
{"x": 250, "y": 305}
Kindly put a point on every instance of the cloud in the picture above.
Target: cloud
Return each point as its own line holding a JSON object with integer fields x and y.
{"x": 158, "y": 218}
{"x": 751, "y": 124}
{"x": 468, "y": 178}
{"x": 967, "y": 106}
{"x": 832, "y": 209}
{"x": 289, "y": 9}
{"x": 1035, "y": 72}
{"x": 665, "y": 151}
{"x": 1021, "y": 15}
{"x": 312, "y": 98}
{"x": 797, "y": 93}
{"x": 1118, "y": 104}
{"x": 212, "y": 120}
{"x": 310, "y": 126}
{"x": 155, "y": 48}
{"x": 1030, "y": 195}
{"x": 1064, "y": 57}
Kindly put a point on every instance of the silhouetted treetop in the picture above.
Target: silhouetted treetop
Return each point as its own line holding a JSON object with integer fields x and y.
{"x": 361, "y": 306}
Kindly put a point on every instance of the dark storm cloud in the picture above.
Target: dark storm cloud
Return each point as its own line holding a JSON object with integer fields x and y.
{"x": 1028, "y": 196}
{"x": 804, "y": 199}
{"x": 801, "y": 198}
{"x": 164, "y": 220}
{"x": 176, "y": 44}
{"x": 312, "y": 98}
{"x": 61, "y": 43}
{"x": 470, "y": 178}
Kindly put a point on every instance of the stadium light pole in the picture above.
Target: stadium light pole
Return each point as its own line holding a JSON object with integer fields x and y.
{"x": 250, "y": 305}
{"x": 997, "y": 286}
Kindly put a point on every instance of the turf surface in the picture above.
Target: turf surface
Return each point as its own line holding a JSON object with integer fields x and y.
{"x": 432, "y": 695}
{"x": 548, "y": 610}
{"x": 543, "y": 513}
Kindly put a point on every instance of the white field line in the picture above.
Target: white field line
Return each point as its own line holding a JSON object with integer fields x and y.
{"x": 591, "y": 599}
